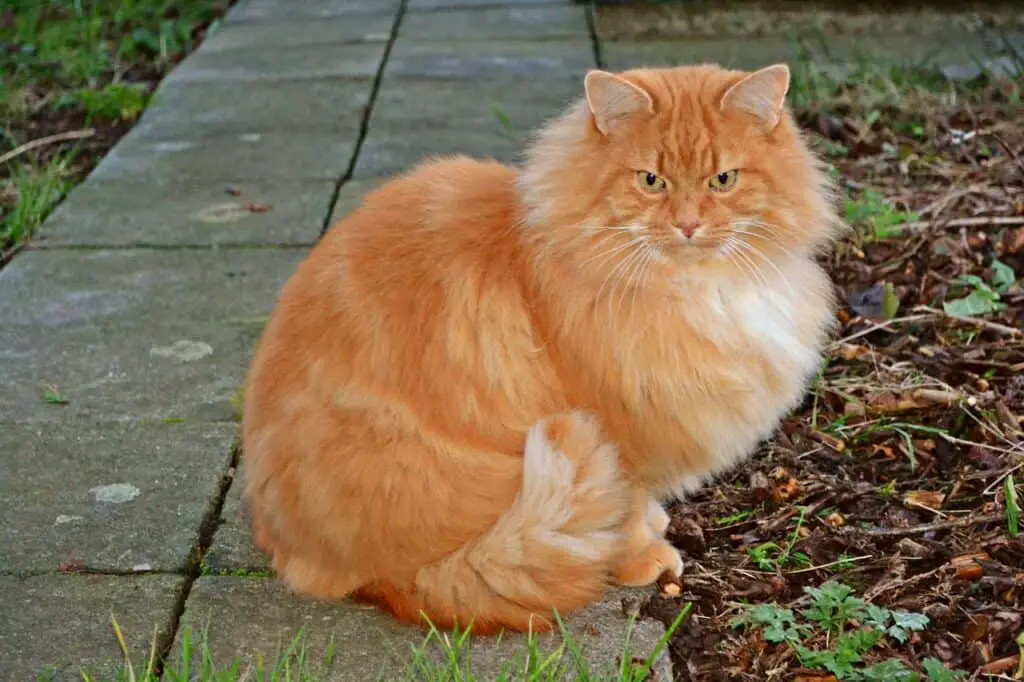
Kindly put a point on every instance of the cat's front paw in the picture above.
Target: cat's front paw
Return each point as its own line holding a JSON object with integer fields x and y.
{"x": 649, "y": 564}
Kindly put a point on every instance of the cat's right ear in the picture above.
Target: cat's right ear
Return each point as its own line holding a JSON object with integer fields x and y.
{"x": 613, "y": 99}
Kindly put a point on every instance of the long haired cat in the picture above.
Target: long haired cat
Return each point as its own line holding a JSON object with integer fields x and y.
{"x": 477, "y": 390}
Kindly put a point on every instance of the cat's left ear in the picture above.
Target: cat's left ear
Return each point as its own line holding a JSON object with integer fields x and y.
{"x": 761, "y": 94}
{"x": 613, "y": 98}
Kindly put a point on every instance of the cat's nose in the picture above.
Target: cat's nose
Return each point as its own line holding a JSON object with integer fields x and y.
{"x": 689, "y": 226}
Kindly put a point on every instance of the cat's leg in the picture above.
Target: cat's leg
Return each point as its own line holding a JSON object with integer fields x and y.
{"x": 647, "y": 554}
{"x": 657, "y": 517}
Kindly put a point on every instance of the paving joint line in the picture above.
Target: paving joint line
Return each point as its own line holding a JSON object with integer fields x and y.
{"x": 364, "y": 125}
{"x": 146, "y": 246}
{"x": 207, "y": 529}
{"x": 595, "y": 41}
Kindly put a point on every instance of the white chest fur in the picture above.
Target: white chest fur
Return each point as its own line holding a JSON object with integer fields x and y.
{"x": 768, "y": 339}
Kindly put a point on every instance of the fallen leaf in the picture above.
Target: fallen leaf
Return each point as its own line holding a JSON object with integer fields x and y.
{"x": 924, "y": 499}
{"x": 1001, "y": 666}
{"x": 967, "y": 566}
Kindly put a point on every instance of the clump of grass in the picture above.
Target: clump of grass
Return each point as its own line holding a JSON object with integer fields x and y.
{"x": 440, "y": 657}
{"x": 32, "y": 191}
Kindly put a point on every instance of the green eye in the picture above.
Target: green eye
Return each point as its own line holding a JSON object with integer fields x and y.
{"x": 649, "y": 182}
{"x": 724, "y": 181}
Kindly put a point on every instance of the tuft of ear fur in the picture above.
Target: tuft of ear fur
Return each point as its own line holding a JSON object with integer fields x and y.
{"x": 613, "y": 99}
{"x": 761, "y": 94}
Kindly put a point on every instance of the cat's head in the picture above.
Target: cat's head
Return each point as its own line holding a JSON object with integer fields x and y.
{"x": 697, "y": 164}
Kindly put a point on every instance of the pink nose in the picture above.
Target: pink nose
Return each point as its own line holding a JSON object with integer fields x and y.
{"x": 688, "y": 227}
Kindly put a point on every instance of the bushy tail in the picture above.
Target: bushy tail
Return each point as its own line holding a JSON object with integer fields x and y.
{"x": 554, "y": 549}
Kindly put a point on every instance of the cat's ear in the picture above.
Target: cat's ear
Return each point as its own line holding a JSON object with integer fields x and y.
{"x": 613, "y": 99}
{"x": 761, "y": 94}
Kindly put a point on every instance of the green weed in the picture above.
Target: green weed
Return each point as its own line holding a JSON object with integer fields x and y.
{"x": 876, "y": 218}
{"x": 837, "y": 630}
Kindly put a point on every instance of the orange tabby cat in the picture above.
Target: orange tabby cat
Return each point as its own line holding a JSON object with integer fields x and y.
{"x": 477, "y": 390}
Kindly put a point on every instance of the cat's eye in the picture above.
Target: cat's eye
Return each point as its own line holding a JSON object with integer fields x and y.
{"x": 649, "y": 182}
{"x": 724, "y": 181}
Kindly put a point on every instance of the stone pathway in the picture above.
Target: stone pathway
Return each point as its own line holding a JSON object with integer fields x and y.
{"x": 148, "y": 287}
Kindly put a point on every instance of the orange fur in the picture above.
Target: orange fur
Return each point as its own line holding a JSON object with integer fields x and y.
{"x": 477, "y": 389}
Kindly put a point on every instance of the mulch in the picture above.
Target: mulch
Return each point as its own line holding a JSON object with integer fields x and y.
{"x": 890, "y": 477}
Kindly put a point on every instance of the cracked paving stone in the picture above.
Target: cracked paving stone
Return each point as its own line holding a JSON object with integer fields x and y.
{"x": 305, "y": 31}
{"x": 56, "y": 627}
{"x": 529, "y": 22}
{"x": 491, "y": 61}
{"x": 136, "y": 333}
{"x": 136, "y": 213}
{"x": 232, "y": 550}
{"x": 190, "y": 110}
{"x": 91, "y": 496}
{"x": 275, "y": 10}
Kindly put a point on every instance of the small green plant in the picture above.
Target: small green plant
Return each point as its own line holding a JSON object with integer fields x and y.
{"x": 1012, "y": 506}
{"x": 981, "y": 299}
{"x": 115, "y": 102}
{"x": 846, "y": 626}
{"x": 878, "y": 218}
{"x": 734, "y": 518}
{"x": 52, "y": 396}
{"x": 770, "y": 556}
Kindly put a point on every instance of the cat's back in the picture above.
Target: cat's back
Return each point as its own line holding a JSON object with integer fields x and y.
{"x": 439, "y": 209}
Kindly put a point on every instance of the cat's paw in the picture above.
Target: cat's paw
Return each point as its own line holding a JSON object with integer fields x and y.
{"x": 645, "y": 567}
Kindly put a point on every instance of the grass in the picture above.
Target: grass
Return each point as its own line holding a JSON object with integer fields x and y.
{"x": 77, "y": 74}
{"x": 440, "y": 657}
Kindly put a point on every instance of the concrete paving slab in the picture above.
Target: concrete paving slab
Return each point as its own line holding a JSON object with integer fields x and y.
{"x": 247, "y": 616}
{"x": 385, "y": 152}
{"x": 477, "y": 106}
{"x": 134, "y": 334}
{"x": 240, "y": 35}
{"x": 353, "y": 61}
{"x": 137, "y": 213}
{"x": 232, "y": 551}
{"x": 109, "y": 497}
{"x": 271, "y": 156}
{"x": 55, "y": 627}
{"x": 490, "y": 60}
{"x": 307, "y": 106}
{"x": 448, "y": 4}
{"x": 528, "y": 22}
{"x": 276, "y": 10}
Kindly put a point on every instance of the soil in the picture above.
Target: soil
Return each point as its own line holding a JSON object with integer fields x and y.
{"x": 898, "y": 456}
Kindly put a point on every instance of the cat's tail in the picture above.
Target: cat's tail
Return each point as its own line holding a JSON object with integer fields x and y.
{"x": 555, "y": 549}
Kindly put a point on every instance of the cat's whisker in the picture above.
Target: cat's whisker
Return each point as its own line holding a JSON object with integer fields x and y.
{"x": 754, "y": 268}
{"x": 622, "y": 282}
{"x": 613, "y": 276}
{"x": 635, "y": 272}
{"x": 613, "y": 251}
{"x": 731, "y": 253}
{"x": 757, "y": 252}
{"x": 763, "y": 237}
{"x": 653, "y": 255}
